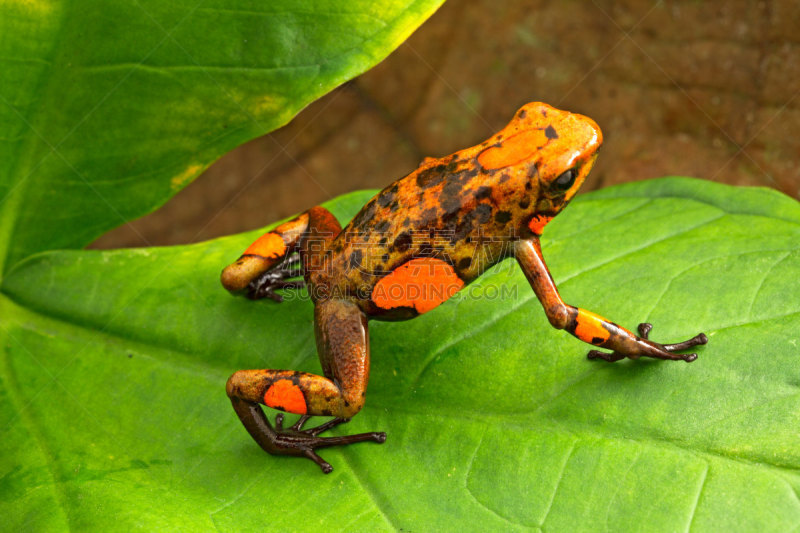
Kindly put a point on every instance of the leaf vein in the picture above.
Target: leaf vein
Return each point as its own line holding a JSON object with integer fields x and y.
{"x": 22, "y": 409}
{"x": 370, "y": 491}
{"x": 763, "y": 280}
{"x": 600, "y": 198}
{"x": 256, "y": 13}
{"x": 168, "y": 69}
{"x": 472, "y": 495}
{"x": 693, "y": 512}
{"x": 559, "y": 479}
{"x": 523, "y": 422}
{"x": 695, "y": 265}
{"x": 622, "y": 477}
{"x": 643, "y": 247}
{"x": 584, "y": 229}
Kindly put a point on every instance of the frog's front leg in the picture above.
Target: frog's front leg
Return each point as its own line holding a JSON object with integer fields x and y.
{"x": 288, "y": 274}
{"x": 587, "y": 326}
{"x": 343, "y": 348}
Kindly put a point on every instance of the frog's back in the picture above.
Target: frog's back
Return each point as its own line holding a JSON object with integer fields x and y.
{"x": 432, "y": 231}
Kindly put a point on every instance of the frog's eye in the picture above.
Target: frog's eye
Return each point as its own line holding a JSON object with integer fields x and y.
{"x": 565, "y": 180}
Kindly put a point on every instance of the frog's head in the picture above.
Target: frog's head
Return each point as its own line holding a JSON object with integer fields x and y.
{"x": 553, "y": 149}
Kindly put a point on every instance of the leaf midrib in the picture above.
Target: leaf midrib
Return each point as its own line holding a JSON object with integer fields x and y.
{"x": 16, "y": 398}
{"x": 30, "y": 139}
{"x": 578, "y": 429}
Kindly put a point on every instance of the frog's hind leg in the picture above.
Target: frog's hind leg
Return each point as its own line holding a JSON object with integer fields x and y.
{"x": 343, "y": 347}
{"x": 272, "y": 263}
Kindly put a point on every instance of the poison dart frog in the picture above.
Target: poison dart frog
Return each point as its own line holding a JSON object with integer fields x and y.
{"x": 410, "y": 248}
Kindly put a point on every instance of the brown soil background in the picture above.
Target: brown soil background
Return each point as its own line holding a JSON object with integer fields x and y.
{"x": 705, "y": 89}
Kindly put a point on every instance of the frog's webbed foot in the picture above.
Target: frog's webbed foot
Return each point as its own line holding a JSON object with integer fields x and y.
{"x": 265, "y": 285}
{"x": 295, "y": 440}
{"x": 657, "y": 351}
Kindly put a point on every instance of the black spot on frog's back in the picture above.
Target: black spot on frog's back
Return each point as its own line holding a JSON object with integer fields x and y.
{"x": 366, "y": 214}
{"x": 484, "y": 191}
{"x": 426, "y": 217}
{"x": 432, "y": 176}
{"x": 355, "y": 259}
{"x": 501, "y": 217}
{"x": 402, "y": 242}
{"x": 483, "y": 213}
{"x": 550, "y": 132}
{"x": 382, "y": 226}
{"x": 387, "y": 196}
{"x": 468, "y": 222}
{"x": 451, "y": 200}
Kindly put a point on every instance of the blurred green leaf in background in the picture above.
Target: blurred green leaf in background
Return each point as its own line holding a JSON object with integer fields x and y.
{"x": 108, "y": 109}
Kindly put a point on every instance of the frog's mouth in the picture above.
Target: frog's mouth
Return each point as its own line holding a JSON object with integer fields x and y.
{"x": 584, "y": 170}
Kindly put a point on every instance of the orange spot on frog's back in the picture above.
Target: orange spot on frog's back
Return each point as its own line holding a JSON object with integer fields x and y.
{"x": 589, "y": 327}
{"x": 514, "y": 149}
{"x": 538, "y": 222}
{"x": 285, "y": 395}
{"x": 422, "y": 283}
{"x": 268, "y": 245}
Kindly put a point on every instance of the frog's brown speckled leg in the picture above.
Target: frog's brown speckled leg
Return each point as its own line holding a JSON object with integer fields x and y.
{"x": 267, "y": 254}
{"x": 588, "y": 326}
{"x": 270, "y": 263}
{"x": 343, "y": 347}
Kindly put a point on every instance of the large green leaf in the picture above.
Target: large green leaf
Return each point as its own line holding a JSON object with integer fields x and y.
{"x": 115, "y": 416}
{"x": 107, "y": 109}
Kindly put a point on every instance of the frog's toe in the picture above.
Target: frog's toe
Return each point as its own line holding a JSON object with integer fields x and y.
{"x": 698, "y": 339}
{"x": 323, "y": 464}
{"x": 277, "y": 278}
{"x": 611, "y": 357}
{"x": 644, "y": 329}
{"x": 295, "y": 440}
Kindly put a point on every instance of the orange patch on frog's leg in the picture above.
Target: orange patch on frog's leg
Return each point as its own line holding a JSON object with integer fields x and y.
{"x": 537, "y": 223}
{"x": 286, "y": 396}
{"x": 269, "y": 245}
{"x": 422, "y": 284}
{"x": 259, "y": 257}
{"x": 590, "y": 328}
